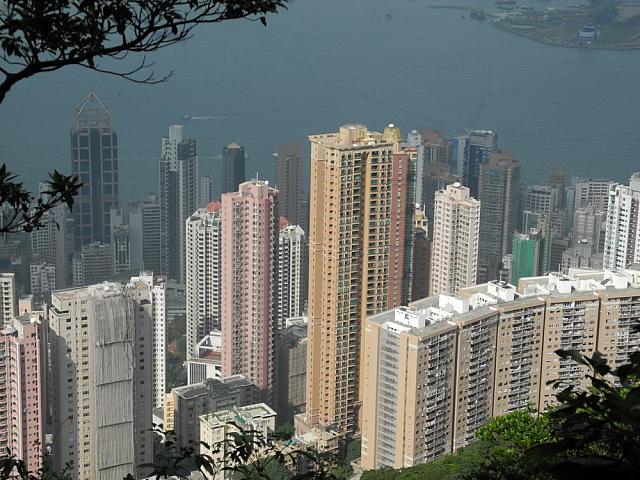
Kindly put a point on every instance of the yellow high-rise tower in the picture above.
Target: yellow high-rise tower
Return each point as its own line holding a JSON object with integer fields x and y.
{"x": 362, "y": 203}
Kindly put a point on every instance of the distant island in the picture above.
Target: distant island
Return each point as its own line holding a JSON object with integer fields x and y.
{"x": 599, "y": 24}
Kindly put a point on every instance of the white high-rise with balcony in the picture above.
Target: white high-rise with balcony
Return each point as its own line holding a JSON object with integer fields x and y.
{"x": 291, "y": 243}
{"x": 149, "y": 292}
{"x": 622, "y": 238}
{"x": 203, "y": 282}
{"x": 454, "y": 255}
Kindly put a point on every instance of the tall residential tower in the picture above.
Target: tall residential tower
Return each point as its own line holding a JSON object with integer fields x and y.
{"x": 361, "y": 188}
{"x": 454, "y": 251}
{"x": 204, "y": 282}
{"x": 249, "y": 281}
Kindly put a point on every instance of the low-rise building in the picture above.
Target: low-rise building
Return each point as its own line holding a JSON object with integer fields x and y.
{"x": 216, "y": 427}
{"x": 211, "y": 395}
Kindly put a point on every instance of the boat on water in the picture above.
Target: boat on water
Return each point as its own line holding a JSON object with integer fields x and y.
{"x": 505, "y": 2}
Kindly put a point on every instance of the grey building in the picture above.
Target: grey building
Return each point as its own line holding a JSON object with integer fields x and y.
{"x": 178, "y": 199}
{"x": 94, "y": 159}
{"x": 289, "y": 182}
{"x": 233, "y": 168}
{"x": 499, "y": 211}
{"x": 291, "y": 370}
{"x": 150, "y": 210}
{"x": 480, "y": 145}
{"x": 92, "y": 264}
{"x": 212, "y": 395}
{"x": 127, "y": 237}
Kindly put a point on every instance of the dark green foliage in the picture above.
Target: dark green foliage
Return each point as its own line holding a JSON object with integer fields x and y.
{"x": 284, "y": 431}
{"x": 176, "y": 332}
{"x": 509, "y": 437}
{"x": 246, "y": 454}
{"x": 597, "y": 431}
{"x": 21, "y": 212}
{"x": 460, "y": 465}
{"x": 353, "y": 451}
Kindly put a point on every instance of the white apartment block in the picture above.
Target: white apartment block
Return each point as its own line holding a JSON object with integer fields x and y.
{"x": 8, "y": 299}
{"x": 291, "y": 248}
{"x": 622, "y": 237}
{"x": 203, "y": 279}
{"x": 454, "y": 254}
{"x": 101, "y": 383}
{"x": 150, "y": 294}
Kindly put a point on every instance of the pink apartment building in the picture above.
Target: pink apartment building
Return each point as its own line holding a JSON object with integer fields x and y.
{"x": 22, "y": 390}
{"x": 249, "y": 281}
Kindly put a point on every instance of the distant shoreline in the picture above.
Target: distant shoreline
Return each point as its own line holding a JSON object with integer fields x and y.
{"x": 500, "y": 25}
{"x": 544, "y": 41}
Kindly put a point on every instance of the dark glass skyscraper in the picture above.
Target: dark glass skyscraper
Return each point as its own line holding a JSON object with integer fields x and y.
{"x": 480, "y": 145}
{"x": 178, "y": 199}
{"x": 94, "y": 159}
{"x": 233, "y": 173}
{"x": 499, "y": 212}
{"x": 289, "y": 182}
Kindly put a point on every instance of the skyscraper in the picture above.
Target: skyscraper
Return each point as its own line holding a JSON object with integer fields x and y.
{"x": 500, "y": 212}
{"x": 454, "y": 251}
{"x": 148, "y": 293}
{"x": 480, "y": 145}
{"x": 151, "y": 232}
{"x": 291, "y": 252}
{"x": 622, "y": 238}
{"x": 22, "y": 396}
{"x": 101, "y": 383}
{"x": 178, "y": 199}
{"x": 204, "y": 282}
{"x": 249, "y": 280}
{"x": 289, "y": 182}
{"x": 94, "y": 159}
{"x": 361, "y": 187}
{"x": 233, "y": 168}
